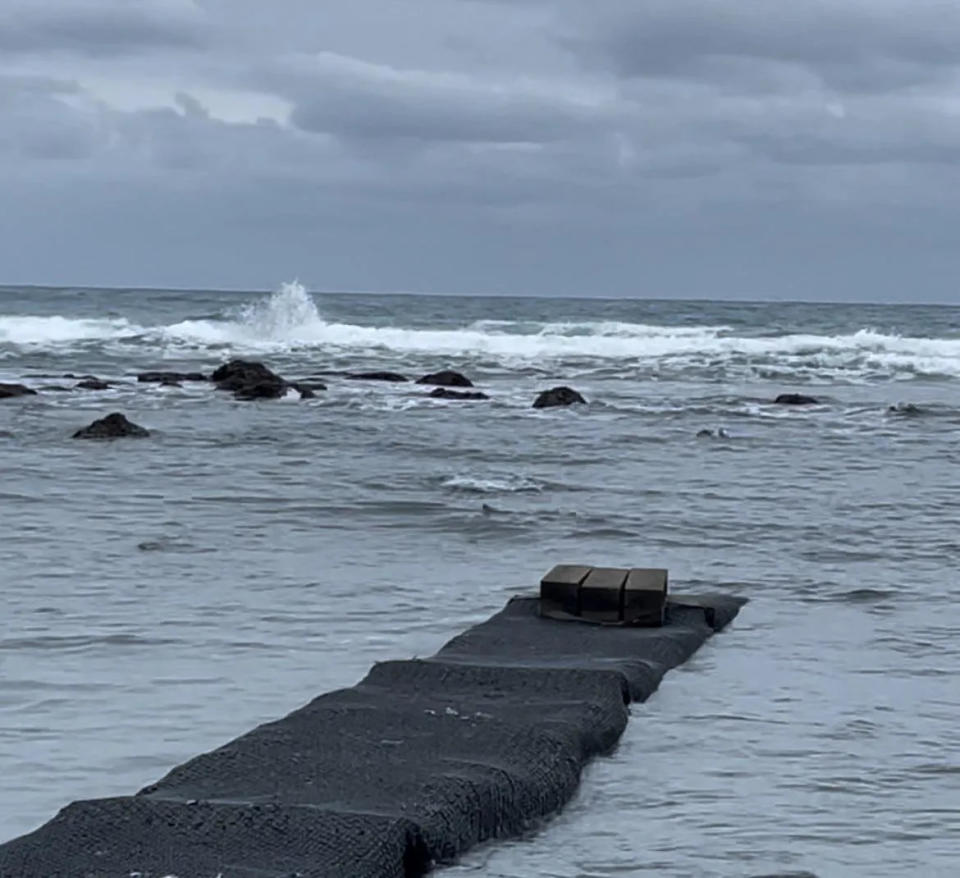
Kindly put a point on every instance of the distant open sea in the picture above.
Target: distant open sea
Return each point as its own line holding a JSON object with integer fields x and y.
{"x": 161, "y": 596}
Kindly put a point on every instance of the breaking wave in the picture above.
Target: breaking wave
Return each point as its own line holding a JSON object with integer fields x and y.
{"x": 289, "y": 320}
{"x": 50, "y": 331}
{"x": 507, "y": 484}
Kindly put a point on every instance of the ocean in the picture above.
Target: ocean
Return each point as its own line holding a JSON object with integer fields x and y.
{"x": 163, "y": 595}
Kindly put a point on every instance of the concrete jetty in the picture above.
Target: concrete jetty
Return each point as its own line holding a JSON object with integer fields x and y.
{"x": 404, "y": 771}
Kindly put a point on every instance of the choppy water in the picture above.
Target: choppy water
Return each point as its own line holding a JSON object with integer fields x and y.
{"x": 164, "y": 595}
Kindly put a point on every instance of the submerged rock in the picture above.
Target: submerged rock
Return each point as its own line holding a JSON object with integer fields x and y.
{"x": 170, "y": 377}
{"x": 8, "y": 390}
{"x": 557, "y": 396}
{"x": 308, "y": 388}
{"x": 377, "y": 376}
{"x": 906, "y": 410}
{"x": 446, "y": 378}
{"x": 796, "y": 399}
{"x": 444, "y": 393}
{"x": 113, "y": 426}
{"x": 719, "y": 433}
{"x": 93, "y": 384}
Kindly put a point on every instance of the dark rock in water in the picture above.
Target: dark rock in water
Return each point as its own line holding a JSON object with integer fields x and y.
{"x": 377, "y": 376}
{"x": 80, "y": 377}
{"x": 795, "y": 399}
{"x": 719, "y": 433}
{"x": 444, "y": 393}
{"x": 113, "y": 426}
{"x": 249, "y": 380}
{"x": 170, "y": 382}
{"x": 168, "y": 377}
{"x": 308, "y": 388}
{"x": 8, "y": 390}
{"x": 906, "y": 410}
{"x": 56, "y": 388}
{"x": 93, "y": 384}
{"x": 446, "y": 378}
{"x": 557, "y": 396}
{"x": 261, "y": 390}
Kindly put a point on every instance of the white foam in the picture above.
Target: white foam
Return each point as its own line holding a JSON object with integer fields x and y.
{"x": 289, "y": 320}
{"x": 31, "y": 330}
{"x": 491, "y": 484}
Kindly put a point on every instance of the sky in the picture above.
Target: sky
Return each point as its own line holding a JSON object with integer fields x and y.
{"x": 736, "y": 149}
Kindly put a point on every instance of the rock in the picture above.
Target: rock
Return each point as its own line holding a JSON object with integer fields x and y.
{"x": 446, "y": 378}
{"x": 168, "y": 377}
{"x": 377, "y": 376}
{"x": 443, "y": 393}
{"x": 113, "y": 426}
{"x": 906, "y": 410}
{"x": 557, "y": 396}
{"x": 170, "y": 382}
{"x": 795, "y": 399}
{"x": 249, "y": 380}
{"x": 93, "y": 384}
{"x": 79, "y": 377}
{"x": 308, "y": 388}
{"x": 719, "y": 433}
{"x": 8, "y": 390}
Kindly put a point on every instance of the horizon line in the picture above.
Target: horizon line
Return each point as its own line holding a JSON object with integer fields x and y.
{"x": 467, "y": 295}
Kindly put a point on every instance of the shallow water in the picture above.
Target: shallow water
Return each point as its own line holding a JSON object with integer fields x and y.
{"x": 164, "y": 595}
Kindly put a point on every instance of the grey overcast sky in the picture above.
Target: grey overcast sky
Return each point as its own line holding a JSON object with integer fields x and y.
{"x": 701, "y": 148}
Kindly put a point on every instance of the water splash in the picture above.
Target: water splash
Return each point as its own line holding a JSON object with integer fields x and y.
{"x": 282, "y": 316}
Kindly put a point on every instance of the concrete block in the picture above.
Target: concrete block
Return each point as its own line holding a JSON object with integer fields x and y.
{"x": 560, "y": 588}
{"x": 644, "y": 597}
{"x": 600, "y": 594}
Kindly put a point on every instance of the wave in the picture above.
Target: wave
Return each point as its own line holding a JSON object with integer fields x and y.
{"x": 492, "y": 485}
{"x": 289, "y": 321}
{"x": 41, "y": 331}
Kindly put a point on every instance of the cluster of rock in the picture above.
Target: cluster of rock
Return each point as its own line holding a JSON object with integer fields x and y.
{"x": 249, "y": 380}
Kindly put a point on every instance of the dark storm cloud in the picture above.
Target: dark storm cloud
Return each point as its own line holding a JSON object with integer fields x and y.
{"x": 100, "y": 27}
{"x": 530, "y": 144}
{"x": 668, "y": 37}
{"x": 343, "y": 95}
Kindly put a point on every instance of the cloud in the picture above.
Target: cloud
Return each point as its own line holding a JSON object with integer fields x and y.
{"x": 530, "y": 128}
{"x": 672, "y": 37}
{"x": 356, "y": 98}
{"x": 100, "y": 27}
